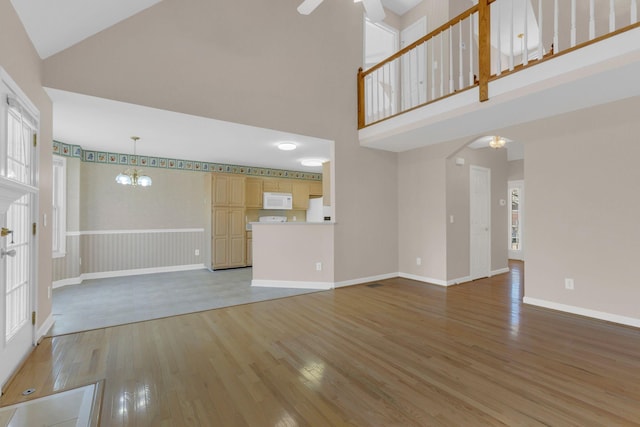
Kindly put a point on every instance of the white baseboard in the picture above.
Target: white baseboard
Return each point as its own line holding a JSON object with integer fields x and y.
{"x": 601, "y": 315}
{"x": 291, "y": 284}
{"x": 42, "y": 330}
{"x": 361, "y": 280}
{"x": 499, "y": 271}
{"x": 120, "y": 273}
{"x": 430, "y": 280}
{"x": 458, "y": 280}
{"x": 66, "y": 282}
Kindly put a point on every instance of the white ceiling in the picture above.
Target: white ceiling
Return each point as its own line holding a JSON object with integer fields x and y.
{"x": 105, "y": 125}
{"x": 56, "y": 25}
{"x": 400, "y": 7}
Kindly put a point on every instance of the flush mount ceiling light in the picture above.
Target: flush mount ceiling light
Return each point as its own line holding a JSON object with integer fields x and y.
{"x": 134, "y": 176}
{"x": 497, "y": 142}
{"x": 312, "y": 162}
{"x": 287, "y": 146}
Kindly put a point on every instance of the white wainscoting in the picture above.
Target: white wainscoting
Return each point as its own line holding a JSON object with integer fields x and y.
{"x": 111, "y": 253}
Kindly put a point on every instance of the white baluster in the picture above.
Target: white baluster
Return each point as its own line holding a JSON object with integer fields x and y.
{"x": 450, "y": 59}
{"x": 540, "y": 31}
{"x": 378, "y": 109}
{"x": 369, "y": 99}
{"x": 385, "y": 72}
{"x": 499, "y": 38}
{"x": 441, "y": 65}
{"x": 511, "y": 37}
{"x": 612, "y": 16}
{"x": 525, "y": 46}
{"x": 573, "y": 23}
{"x": 556, "y": 45}
{"x": 433, "y": 69}
{"x": 592, "y": 19}
{"x": 634, "y": 11}
{"x": 460, "y": 67}
{"x": 416, "y": 80}
{"x": 471, "y": 50}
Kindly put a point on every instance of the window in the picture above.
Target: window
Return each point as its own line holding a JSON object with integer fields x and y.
{"x": 59, "y": 220}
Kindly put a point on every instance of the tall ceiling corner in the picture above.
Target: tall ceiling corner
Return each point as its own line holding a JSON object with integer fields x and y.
{"x": 56, "y": 26}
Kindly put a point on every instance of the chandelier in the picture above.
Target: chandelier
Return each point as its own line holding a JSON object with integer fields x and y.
{"x": 497, "y": 142}
{"x": 134, "y": 176}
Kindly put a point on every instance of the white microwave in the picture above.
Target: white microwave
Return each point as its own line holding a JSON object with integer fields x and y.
{"x": 282, "y": 201}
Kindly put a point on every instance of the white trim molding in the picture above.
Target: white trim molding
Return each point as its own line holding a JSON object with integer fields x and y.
{"x": 44, "y": 328}
{"x": 459, "y": 280}
{"x": 149, "y": 231}
{"x": 499, "y": 271}
{"x": 424, "y": 279}
{"x": 291, "y": 284}
{"x": 120, "y": 273}
{"x": 600, "y": 315}
{"x": 362, "y": 280}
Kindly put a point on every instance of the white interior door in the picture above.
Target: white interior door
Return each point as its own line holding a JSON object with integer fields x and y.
{"x": 18, "y": 195}
{"x": 381, "y": 86}
{"x": 516, "y": 220}
{"x": 414, "y": 63}
{"x": 480, "y": 214}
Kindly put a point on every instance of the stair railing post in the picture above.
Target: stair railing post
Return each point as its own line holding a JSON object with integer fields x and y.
{"x": 484, "y": 48}
{"x": 361, "y": 123}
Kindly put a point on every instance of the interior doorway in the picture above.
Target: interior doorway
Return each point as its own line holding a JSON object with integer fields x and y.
{"x": 480, "y": 226}
{"x": 516, "y": 220}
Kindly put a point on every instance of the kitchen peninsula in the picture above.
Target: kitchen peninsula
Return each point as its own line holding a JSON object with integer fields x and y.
{"x": 293, "y": 254}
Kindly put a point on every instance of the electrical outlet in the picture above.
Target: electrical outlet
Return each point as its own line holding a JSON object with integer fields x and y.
{"x": 197, "y": 252}
{"x": 418, "y": 261}
{"x": 568, "y": 284}
{"x": 318, "y": 266}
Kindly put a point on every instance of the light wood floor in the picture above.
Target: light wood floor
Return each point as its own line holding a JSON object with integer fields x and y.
{"x": 400, "y": 354}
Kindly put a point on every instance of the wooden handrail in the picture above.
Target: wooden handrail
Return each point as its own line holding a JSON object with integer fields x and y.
{"x": 391, "y": 105}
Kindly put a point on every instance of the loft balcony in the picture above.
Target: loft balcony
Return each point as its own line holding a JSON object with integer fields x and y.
{"x": 500, "y": 63}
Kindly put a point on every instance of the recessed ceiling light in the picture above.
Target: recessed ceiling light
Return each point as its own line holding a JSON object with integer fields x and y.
{"x": 287, "y": 146}
{"x": 311, "y": 162}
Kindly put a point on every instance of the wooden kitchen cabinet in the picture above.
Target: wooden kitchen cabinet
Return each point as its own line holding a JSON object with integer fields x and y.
{"x": 326, "y": 183}
{"x": 228, "y": 238}
{"x": 315, "y": 188}
{"x": 300, "y": 191}
{"x": 249, "y": 248}
{"x": 270, "y": 185}
{"x": 228, "y": 190}
{"x": 253, "y": 193}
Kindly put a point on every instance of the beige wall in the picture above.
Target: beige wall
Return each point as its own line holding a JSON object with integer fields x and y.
{"x": 22, "y": 63}
{"x": 458, "y": 187}
{"x": 582, "y": 210}
{"x": 175, "y": 200}
{"x": 516, "y": 170}
{"x": 289, "y": 253}
{"x": 422, "y": 211}
{"x": 287, "y": 72}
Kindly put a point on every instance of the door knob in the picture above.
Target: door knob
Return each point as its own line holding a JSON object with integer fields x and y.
{"x": 10, "y": 253}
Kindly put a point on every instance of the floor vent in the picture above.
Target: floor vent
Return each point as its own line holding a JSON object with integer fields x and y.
{"x": 374, "y": 285}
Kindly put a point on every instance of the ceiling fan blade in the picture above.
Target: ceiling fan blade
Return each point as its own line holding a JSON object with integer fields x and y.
{"x": 308, "y": 6}
{"x": 374, "y": 9}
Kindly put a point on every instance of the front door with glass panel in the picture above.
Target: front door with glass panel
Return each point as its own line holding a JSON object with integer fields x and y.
{"x": 17, "y": 244}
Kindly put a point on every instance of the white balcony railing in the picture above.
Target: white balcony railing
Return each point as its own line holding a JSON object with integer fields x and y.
{"x": 489, "y": 40}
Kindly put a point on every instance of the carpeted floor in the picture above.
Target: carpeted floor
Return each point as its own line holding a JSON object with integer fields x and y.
{"x": 115, "y": 301}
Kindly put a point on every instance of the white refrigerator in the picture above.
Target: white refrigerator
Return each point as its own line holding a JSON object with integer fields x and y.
{"x": 316, "y": 211}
